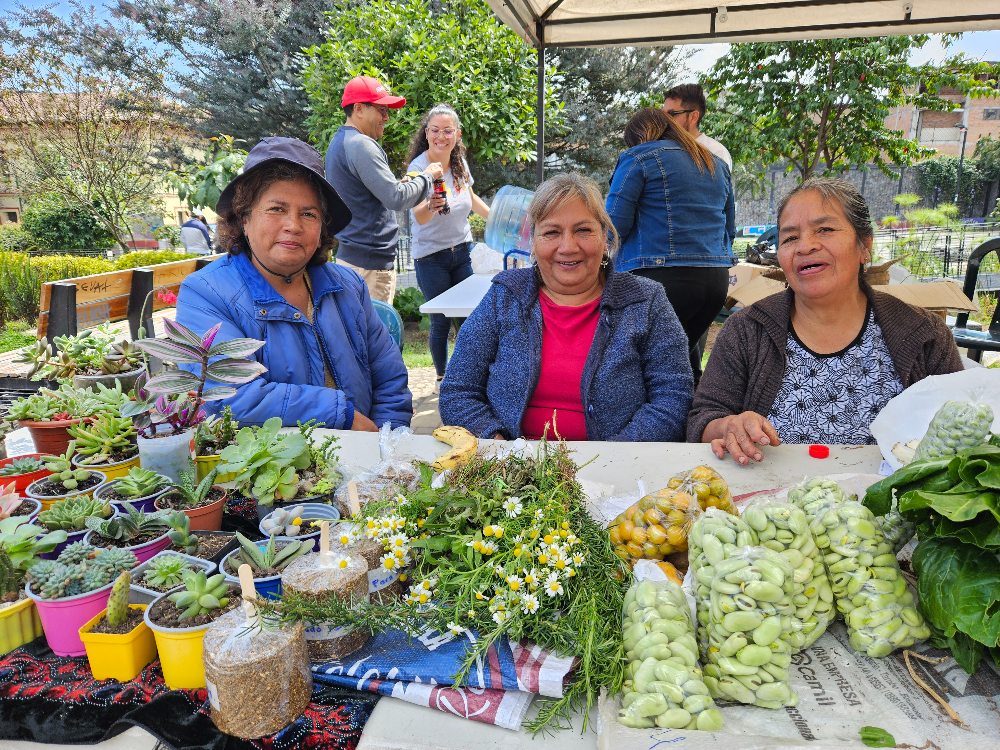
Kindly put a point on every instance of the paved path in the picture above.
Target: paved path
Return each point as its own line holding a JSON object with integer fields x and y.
{"x": 423, "y": 386}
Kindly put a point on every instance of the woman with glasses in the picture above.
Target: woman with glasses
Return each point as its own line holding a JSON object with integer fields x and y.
{"x": 672, "y": 203}
{"x": 569, "y": 347}
{"x": 441, "y": 239}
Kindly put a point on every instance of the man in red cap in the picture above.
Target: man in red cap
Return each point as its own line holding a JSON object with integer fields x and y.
{"x": 358, "y": 168}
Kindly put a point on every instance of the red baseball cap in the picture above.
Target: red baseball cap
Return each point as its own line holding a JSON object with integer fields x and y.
{"x": 370, "y": 91}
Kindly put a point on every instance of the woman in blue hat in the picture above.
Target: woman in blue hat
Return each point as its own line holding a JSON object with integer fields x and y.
{"x": 328, "y": 356}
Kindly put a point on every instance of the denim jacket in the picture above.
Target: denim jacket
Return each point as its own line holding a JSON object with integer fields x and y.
{"x": 667, "y": 212}
{"x": 348, "y": 335}
{"x": 636, "y": 383}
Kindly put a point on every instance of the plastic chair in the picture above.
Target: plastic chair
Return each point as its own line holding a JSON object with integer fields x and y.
{"x": 390, "y": 318}
{"x": 978, "y": 341}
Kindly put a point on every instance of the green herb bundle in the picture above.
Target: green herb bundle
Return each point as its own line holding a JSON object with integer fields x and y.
{"x": 505, "y": 548}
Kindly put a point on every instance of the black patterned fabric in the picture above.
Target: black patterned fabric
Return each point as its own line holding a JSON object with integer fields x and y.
{"x": 52, "y": 699}
{"x": 833, "y": 398}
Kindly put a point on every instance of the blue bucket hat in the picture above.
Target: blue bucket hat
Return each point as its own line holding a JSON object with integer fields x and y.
{"x": 292, "y": 151}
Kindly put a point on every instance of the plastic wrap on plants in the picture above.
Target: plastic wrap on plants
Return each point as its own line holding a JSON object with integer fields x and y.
{"x": 393, "y": 474}
{"x": 256, "y": 674}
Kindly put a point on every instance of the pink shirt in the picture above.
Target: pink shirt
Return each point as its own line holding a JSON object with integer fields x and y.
{"x": 567, "y": 335}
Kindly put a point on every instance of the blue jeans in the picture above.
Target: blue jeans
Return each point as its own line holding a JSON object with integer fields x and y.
{"x": 436, "y": 274}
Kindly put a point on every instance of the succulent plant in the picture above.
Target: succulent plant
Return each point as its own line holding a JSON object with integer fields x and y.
{"x": 265, "y": 460}
{"x": 283, "y": 522}
{"x": 140, "y": 482}
{"x": 271, "y": 557}
{"x": 104, "y": 439}
{"x": 215, "y": 433}
{"x": 63, "y": 471}
{"x": 67, "y": 402}
{"x": 165, "y": 571}
{"x": 118, "y": 600}
{"x": 180, "y": 534}
{"x": 201, "y": 594}
{"x": 18, "y": 466}
{"x": 38, "y": 407}
{"x": 80, "y": 568}
{"x": 20, "y": 545}
{"x": 131, "y": 525}
{"x": 194, "y": 495}
{"x": 72, "y": 513}
{"x": 93, "y": 351}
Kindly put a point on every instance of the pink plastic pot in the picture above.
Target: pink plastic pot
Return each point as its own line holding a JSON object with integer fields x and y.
{"x": 63, "y": 618}
{"x": 142, "y": 552}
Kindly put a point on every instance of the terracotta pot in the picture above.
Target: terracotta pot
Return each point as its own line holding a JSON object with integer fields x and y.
{"x": 207, "y": 517}
{"x": 50, "y": 437}
{"x": 21, "y": 481}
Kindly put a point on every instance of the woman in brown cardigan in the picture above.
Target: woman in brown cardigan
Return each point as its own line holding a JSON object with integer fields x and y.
{"x": 816, "y": 363}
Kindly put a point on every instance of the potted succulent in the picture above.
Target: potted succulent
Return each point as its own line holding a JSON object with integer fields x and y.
{"x": 167, "y": 414}
{"x": 49, "y": 413}
{"x": 139, "y": 487}
{"x": 202, "y": 503}
{"x": 163, "y": 572}
{"x": 87, "y": 358}
{"x": 273, "y": 466}
{"x": 142, "y": 534}
{"x": 118, "y": 641}
{"x": 179, "y": 620}
{"x": 23, "y": 470}
{"x": 300, "y": 521}
{"x": 64, "y": 481}
{"x": 210, "y": 438}
{"x": 107, "y": 444}
{"x": 12, "y": 504}
{"x": 70, "y": 515}
{"x": 266, "y": 561}
{"x": 21, "y": 543}
{"x": 71, "y": 589}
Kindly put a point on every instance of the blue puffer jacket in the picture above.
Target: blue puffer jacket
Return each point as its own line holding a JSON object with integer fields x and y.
{"x": 364, "y": 360}
{"x": 667, "y": 212}
{"x": 636, "y": 380}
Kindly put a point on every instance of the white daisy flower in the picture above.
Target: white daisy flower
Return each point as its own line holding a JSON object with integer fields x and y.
{"x": 529, "y": 604}
{"x": 499, "y": 617}
{"x": 513, "y": 507}
{"x": 553, "y": 586}
{"x": 455, "y": 629}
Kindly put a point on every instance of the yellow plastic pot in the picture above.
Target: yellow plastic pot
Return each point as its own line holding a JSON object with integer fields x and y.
{"x": 19, "y": 624}
{"x": 111, "y": 471}
{"x": 181, "y": 654}
{"x": 118, "y": 657}
{"x": 204, "y": 464}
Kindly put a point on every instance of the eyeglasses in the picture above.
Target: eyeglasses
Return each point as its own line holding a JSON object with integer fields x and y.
{"x": 447, "y": 132}
{"x": 678, "y": 112}
{"x": 382, "y": 109}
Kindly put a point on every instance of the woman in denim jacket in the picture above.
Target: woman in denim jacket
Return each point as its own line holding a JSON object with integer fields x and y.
{"x": 672, "y": 203}
{"x": 570, "y": 347}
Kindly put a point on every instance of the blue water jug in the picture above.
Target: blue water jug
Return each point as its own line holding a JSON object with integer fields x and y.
{"x": 507, "y": 228}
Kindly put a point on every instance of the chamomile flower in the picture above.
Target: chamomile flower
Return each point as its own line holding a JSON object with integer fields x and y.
{"x": 514, "y": 583}
{"x": 455, "y": 629}
{"x": 512, "y": 506}
{"x": 487, "y": 547}
{"x": 500, "y": 617}
{"x": 428, "y": 584}
{"x": 399, "y": 541}
{"x": 342, "y": 561}
{"x": 553, "y": 586}
{"x": 531, "y": 579}
{"x": 389, "y": 561}
{"x": 529, "y": 604}
{"x": 539, "y": 514}
{"x": 578, "y": 558}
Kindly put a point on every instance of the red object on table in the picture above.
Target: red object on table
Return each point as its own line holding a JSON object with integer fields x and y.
{"x": 819, "y": 451}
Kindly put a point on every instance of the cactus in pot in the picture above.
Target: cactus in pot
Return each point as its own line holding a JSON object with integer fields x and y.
{"x": 118, "y": 600}
{"x": 80, "y": 568}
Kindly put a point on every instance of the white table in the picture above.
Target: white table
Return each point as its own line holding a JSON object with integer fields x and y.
{"x": 461, "y": 299}
{"x": 611, "y": 467}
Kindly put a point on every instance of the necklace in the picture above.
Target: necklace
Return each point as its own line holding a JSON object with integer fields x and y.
{"x": 288, "y": 277}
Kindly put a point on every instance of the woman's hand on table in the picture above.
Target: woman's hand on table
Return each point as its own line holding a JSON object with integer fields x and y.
{"x": 741, "y": 435}
{"x": 362, "y": 423}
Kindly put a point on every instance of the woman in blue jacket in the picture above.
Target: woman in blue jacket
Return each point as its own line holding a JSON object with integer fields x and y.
{"x": 569, "y": 347}
{"x": 328, "y": 356}
{"x": 672, "y": 203}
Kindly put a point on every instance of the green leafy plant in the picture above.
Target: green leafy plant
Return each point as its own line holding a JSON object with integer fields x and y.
{"x": 67, "y": 402}
{"x": 20, "y": 545}
{"x": 80, "y": 568}
{"x": 323, "y": 475}
{"x": 407, "y": 303}
{"x": 270, "y": 559}
{"x": 19, "y": 466}
{"x": 142, "y": 258}
{"x": 92, "y": 352}
{"x": 194, "y": 495}
{"x": 56, "y": 224}
{"x": 131, "y": 526}
{"x": 72, "y": 513}
{"x": 202, "y": 594}
{"x": 180, "y": 534}
{"x": 38, "y": 407}
{"x": 107, "y": 439}
{"x": 265, "y": 461}
{"x": 215, "y": 433}
{"x": 117, "y": 610}
{"x": 140, "y": 482}
{"x": 165, "y": 572}
{"x": 63, "y": 471}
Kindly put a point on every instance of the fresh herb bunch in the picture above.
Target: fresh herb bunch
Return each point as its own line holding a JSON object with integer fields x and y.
{"x": 505, "y": 548}
{"x": 63, "y": 471}
{"x": 166, "y": 571}
{"x": 215, "y": 433}
{"x": 140, "y": 482}
{"x": 107, "y": 439}
{"x": 19, "y": 466}
{"x": 265, "y": 461}
{"x": 72, "y": 513}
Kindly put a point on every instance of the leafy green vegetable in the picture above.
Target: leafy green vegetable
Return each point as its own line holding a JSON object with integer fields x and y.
{"x": 930, "y": 476}
{"x": 959, "y": 587}
{"x": 877, "y": 737}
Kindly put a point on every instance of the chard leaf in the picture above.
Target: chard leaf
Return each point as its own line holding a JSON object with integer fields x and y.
{"x": 916, "y": 475}
{"x": 955, "y": 506}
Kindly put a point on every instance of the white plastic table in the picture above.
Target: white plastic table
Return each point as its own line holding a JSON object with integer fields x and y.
{"x": 461, "y": 299}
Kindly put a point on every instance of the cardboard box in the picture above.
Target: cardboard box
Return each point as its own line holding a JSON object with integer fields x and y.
{"x": 740, "y": 275}
{"x": 937, "y": 296}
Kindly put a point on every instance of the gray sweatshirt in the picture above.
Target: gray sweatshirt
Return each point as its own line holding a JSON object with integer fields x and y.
{"x": 358, "y": 168}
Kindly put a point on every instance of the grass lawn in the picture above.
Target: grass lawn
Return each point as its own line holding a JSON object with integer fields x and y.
{"x": 15, "y": 335}
{"x": 416, "y": 352}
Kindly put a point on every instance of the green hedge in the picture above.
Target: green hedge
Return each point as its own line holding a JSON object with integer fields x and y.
{"x": 139, "y": 258}
{"x": 21, "y": 279}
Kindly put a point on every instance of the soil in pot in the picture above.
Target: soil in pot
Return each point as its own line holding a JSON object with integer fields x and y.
{"x": 116, "y": 458}
{"x": 172, "y": 501}
{"x": 166, "y": 615}
{"x": 49, "y": 488}
{"x": 26, "y": 508}
{"x": 209, "y": 546}
{"x": 113, "y": 496}
{"x": 132, "y": 621}
{"x": 11, "y": 597}
{"x": 99, "y": 541}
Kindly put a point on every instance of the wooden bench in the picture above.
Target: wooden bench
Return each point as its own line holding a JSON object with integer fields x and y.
{"x": 71, "y": 305}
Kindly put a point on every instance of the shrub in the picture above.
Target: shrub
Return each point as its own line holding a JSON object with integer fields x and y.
{"x": 478, "y": 225}
{"x": 13, "y": 238}
{"x": 57, "y": 226}
{"x": 140, "y": 258}
{"x": 21, "y": 278}
{"x": 169, "y": 232}
{"x": 407, "y": 304}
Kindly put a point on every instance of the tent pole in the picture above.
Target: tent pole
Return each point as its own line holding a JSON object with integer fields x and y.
{"x": 540, "y": 105}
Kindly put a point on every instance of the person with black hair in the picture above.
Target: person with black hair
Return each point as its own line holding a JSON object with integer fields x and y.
{"x": 686, "y": 104}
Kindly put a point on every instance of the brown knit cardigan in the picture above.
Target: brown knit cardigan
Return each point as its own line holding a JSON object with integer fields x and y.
{"x": 748, "y": 361}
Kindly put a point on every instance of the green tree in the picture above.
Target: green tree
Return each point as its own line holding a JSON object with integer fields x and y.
{"x": 936, "y": 181}
{"x": 453, "y": 51}
{"x": 201, "y": 185}
{"x": 820, "y": 105}
{"x": 54, "y": 225}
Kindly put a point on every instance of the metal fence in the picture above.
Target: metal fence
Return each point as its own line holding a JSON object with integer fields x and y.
{"x": 940, "y": 252}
